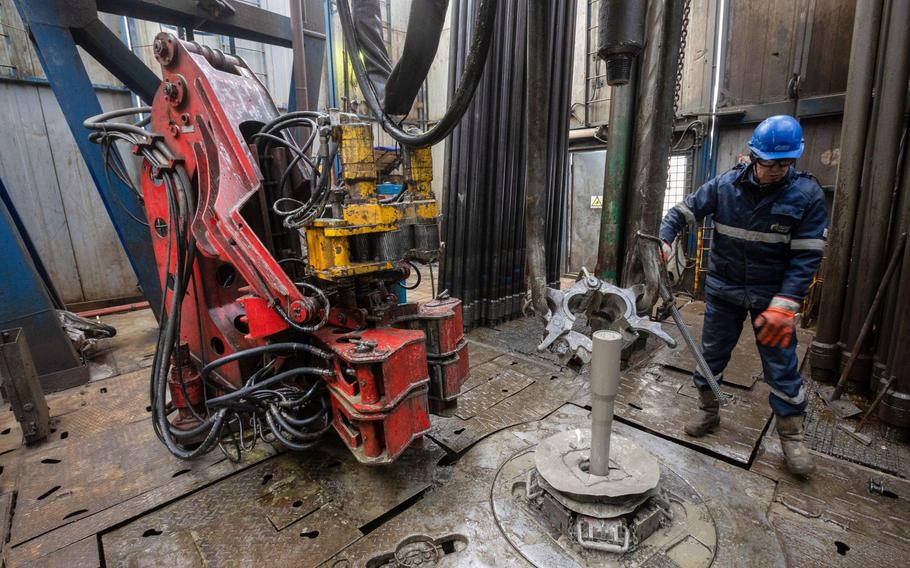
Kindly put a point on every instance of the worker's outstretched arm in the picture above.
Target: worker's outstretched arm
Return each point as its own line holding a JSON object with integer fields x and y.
{"x": 695, "y": 207}
{"x": 807, "y": 244}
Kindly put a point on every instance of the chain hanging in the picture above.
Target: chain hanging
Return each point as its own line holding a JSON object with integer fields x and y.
{"x": 682, "y": 55}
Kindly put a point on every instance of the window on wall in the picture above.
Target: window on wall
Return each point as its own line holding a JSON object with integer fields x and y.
{"x": 597, "y": 92}
{"x": 679, "y": 179}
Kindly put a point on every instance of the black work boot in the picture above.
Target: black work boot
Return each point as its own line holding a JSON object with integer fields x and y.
{"x": 707, "y": 419}
{"x": 790, "y": 430}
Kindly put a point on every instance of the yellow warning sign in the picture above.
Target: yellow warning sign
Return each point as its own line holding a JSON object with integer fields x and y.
{"x": 597, "y": 202}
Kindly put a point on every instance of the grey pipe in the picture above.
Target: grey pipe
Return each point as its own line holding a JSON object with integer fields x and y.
{"x": 896, "y": 72}
{"x": 536, "y": 140}
{"x": 857, "y": 108}
{"x": 607, "y": 346}
{"x": 653, "y": 134}
{"x": 895, "y": 406}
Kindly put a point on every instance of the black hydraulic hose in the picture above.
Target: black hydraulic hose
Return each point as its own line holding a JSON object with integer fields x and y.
{"x": 300, "y": 435}
{"x": 298, "y": 400}
{"x": 419, "y": 277}
{"x": 294, "y": 348}
{"x": 195, "y": 430}
{"x": 248, "y": 390}
{"x": 473, "y": 69}
{"x": 301, "y": 422}
{"x": 284, "y": 441}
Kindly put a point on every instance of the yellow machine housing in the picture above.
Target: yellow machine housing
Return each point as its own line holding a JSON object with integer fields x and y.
{"x": 391, "y": 231}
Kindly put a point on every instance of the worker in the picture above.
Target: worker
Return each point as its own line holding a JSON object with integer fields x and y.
{"x": 770, "y": 225}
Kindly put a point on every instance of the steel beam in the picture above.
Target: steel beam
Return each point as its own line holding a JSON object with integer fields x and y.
{"x": 537, "y": 147}
{"x": 309, "y": 52}
{"x": 825, "y": 105}
{"x": 651, "y": 139}
{"x": 102, "y": 44}
{"x": 247, "y": 22}
{"x": 616, "y": 176}
{"x": 25, "y": 302}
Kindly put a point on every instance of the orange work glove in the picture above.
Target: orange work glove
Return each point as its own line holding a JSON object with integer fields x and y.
{"x": 666, "y": 251}
{"x": 776, "y": 324}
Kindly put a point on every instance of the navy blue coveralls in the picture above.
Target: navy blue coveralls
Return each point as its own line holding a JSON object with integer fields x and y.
{"x": 768, "y": 241}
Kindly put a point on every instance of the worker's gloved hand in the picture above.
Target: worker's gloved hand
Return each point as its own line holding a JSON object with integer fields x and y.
{"x": 777, "y": 324}
{"x": 666, "y": 252}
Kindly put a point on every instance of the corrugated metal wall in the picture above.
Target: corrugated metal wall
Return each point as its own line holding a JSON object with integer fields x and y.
{"x": 784, "y": 52}
{"x": 56, "y": 198}
{"x": 47, "y": 178}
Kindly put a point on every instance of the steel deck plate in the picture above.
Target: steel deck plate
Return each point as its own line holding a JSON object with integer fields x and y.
{"x": 293, "y": 509}
{"x": 460, "y": 515}
{"x": 550, "y": 388}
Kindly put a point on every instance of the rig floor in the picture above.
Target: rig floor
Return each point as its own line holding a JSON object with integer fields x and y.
{"x": 104, "y": 492}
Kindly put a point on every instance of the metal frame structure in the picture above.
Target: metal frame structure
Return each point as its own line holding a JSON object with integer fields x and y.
{"x": 57, "y": 27}
{"x": 28, "y": 301}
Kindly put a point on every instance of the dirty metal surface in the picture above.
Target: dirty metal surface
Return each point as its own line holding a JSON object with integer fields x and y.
{"x": 130, "y": 350}
{"x": 813, "y": 543}
{"x": 293, "y": 509}
{"x": 550, "y": 388}
{"x": 490, "y": 393}
{"x": 73, "y": 481}
{"x": 520, "y": 335}
{"x": 661, "y": 400}
{"x": 461, "y": 511}
{"x": 478, "y": 353}
{"x": 123, "y": 508}
{"x": 81, "y": 553}
{"x": 823, "y": 435}
{"x": 559, "y": 459}
{"x": 689, "y": 539}
{"x": 837, "y": 499}
{"x": 6, "y": 514}
{"x": 102, "y": 466}
{"x": 85, "y": 410}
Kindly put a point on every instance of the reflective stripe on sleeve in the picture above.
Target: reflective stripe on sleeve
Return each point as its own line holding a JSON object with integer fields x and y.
{"x": 686, "y": 212}
{"x": 752, "y": 236}
{"x": 807, "y": 244}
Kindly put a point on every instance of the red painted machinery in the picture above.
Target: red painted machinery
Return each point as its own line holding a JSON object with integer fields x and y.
{"x": 280, "y": 264}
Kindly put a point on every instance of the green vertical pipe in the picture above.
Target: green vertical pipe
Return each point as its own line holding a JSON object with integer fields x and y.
{"x": 616, "y": 174}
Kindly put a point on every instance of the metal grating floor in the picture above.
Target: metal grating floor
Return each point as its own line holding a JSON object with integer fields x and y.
{"x": 824, "y": 436}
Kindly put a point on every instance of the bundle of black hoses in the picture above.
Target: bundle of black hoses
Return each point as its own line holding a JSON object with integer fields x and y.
{"x": 267, "y": 406}
{"x": 278, "y": 132}
{"x": 470, "y": 78}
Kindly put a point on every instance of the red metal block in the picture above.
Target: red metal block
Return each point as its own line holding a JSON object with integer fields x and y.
{"x": 448, "y": 374}
{"x": 375, "y": 368}
{"x": 380, "y": 437}
{"x": 440, "y": 320}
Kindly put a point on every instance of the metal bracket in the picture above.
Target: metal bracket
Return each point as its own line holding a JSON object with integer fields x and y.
{"x": 592, "y": 292}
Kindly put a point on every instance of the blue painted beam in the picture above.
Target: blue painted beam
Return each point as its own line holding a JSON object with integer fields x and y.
{"x": 26, "y": 303}
{"x": 66, "y": 74}
{"x": 108, "y": 50}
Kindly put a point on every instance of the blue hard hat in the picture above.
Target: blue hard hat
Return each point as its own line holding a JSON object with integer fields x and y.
{"x": 777, "y": 137}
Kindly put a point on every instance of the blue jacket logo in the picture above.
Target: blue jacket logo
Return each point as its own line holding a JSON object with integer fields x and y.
{"x": 778, "y": 228}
